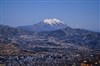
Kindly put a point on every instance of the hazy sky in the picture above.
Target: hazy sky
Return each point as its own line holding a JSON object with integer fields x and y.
{"x": 75, "y": 13}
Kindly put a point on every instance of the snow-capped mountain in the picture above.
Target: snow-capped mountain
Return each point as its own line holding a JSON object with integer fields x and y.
{"x": 52, "y": 21}
{"x": 46, "y": 25}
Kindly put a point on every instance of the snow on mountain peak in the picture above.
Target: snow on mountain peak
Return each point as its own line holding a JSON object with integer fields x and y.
{"x": 52, "y": 21}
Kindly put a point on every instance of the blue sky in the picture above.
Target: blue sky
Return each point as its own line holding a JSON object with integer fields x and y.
{"x": 75, "y": 13}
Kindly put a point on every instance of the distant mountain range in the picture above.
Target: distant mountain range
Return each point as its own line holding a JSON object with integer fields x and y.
{"x": 50, "y": 33}
{"x": 45, "y": 25}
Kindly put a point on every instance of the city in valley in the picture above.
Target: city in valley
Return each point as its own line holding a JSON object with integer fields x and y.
{"x": 54, "y": 47}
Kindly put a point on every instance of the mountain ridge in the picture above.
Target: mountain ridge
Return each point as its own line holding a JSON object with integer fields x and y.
{"x": 45, "y": 25}
{"x": 65, "y": 35}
